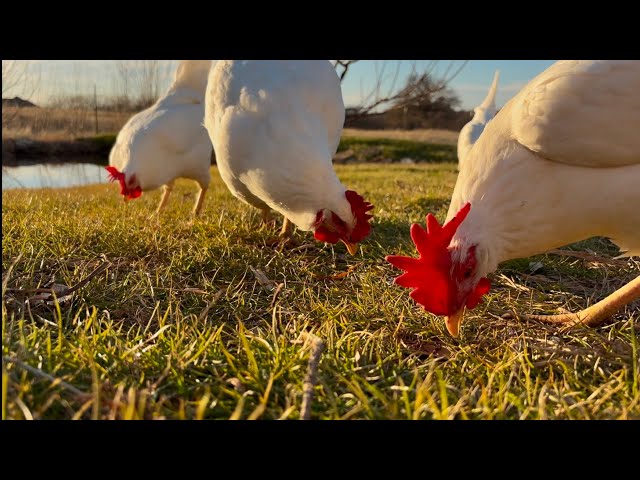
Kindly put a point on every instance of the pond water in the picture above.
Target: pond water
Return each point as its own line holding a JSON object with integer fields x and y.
{"x": 52, "y": 175}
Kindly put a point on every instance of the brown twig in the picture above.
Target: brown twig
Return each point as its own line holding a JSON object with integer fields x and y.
{"x": 87, "y": 279}
{"x": 67, "y": 291}
{"x": 39, "y": 373}
{"x": 311, "y": 378}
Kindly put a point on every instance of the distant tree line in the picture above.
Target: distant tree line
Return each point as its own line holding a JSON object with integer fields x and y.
{"x": 422, "y": 100}
{"x": 402, "y": 94}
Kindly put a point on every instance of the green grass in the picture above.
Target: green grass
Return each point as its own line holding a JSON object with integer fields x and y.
{"x": 371, "y": 149}
{"x": 180, "y": 326}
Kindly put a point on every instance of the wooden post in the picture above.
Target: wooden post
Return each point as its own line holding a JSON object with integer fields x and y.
{"x": 95, "y": 101}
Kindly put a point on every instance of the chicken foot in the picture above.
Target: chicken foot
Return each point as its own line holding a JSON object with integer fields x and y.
{"x": 285, "y": 237}
{"x": 597, "y": 313}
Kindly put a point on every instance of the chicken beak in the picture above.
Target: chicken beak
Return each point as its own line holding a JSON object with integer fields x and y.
{"x": 453, "y": 322}
{"x": 351, "y": 247}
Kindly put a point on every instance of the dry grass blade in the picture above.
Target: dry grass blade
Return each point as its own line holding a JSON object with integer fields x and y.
{"x": 213, "y": 301}
{"x": 306, "y": 246}
{"x": 588, "y": 257}
{"x": 6, "y": 276}
{"x": 148, "y": 340}
{"x": 275, "y": 294}
{"x": 311, "y": 378}
{"x": 339, "y": 276}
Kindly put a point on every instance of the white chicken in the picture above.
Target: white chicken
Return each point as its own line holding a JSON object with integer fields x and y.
{"x": 275, "y": 126}
{"x": 167, "y": 140}
{"x": 483, "y": 114}
{"x": 560, "y": 163}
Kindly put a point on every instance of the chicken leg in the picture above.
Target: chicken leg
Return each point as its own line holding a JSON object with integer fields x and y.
{"x": 267, "y": 220}
{"x": 200, "y": 201}
{"x": 287, "y": 229}
{"x": 285, "y": 237}
{"x": 598, "y": 313}
{"x": 166, "y": 191}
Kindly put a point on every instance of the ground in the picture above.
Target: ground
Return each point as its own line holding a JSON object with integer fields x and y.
{"x": 206, "y": 320}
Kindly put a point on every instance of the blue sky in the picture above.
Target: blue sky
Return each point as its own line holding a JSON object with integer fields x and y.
{"x": 69, "y": 76}
{"x": 471, "y": 84}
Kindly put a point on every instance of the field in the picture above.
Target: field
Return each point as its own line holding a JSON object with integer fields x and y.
{"x": 58, "y": 124}
{"x": 441, "y": 137}
{"x": 205, "y": 320}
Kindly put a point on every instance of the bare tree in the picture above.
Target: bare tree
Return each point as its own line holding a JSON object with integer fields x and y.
{"x": 342, "y": 67}
{"x": 123, "y": 73}
{"x": 148, "y": 76}
{"x": 395, "y": 86}
{"x": 422, "y": 91}
{"x": 138, "y": 83}
{"x": 13, "y": 73}
{"x": 18, "y": 79}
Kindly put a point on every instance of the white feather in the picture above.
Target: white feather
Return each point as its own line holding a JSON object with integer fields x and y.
{"x": 582, "y": 112}
{"x": 560, "y": 163}
{"x": 275, "y": 126}
{"x": 167, "y": 140}
{"x": 483, "y": 114}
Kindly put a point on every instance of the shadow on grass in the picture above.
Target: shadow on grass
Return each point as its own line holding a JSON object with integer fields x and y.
{"x": 390, "y": 234}
{"x": 435, "y": 206}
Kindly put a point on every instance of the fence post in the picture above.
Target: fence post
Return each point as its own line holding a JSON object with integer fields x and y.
{"x": 95, "y": 101}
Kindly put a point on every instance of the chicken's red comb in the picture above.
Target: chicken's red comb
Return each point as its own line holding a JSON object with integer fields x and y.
{"x": 114, "y": 175}
{"x": 430, "y": 274}
{"x": 359, "y": 207}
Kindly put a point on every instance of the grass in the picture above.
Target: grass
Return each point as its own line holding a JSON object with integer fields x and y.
{"x": 372, "y": 149}
{"x": 207, "y": 321}
{"x": 442, "y": 137}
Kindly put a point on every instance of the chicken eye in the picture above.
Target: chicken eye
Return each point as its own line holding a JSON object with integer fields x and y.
{"x": 468, "y": 272}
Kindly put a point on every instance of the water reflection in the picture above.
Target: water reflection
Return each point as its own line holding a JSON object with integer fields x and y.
{"x": 52, "y": 175}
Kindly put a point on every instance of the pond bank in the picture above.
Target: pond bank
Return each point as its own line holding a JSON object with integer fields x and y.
{"x": 351, "y": 150}
{"x": 95, "y": 149}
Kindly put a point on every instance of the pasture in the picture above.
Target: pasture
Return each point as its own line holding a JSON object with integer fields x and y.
{"x": 205, "y": 319}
